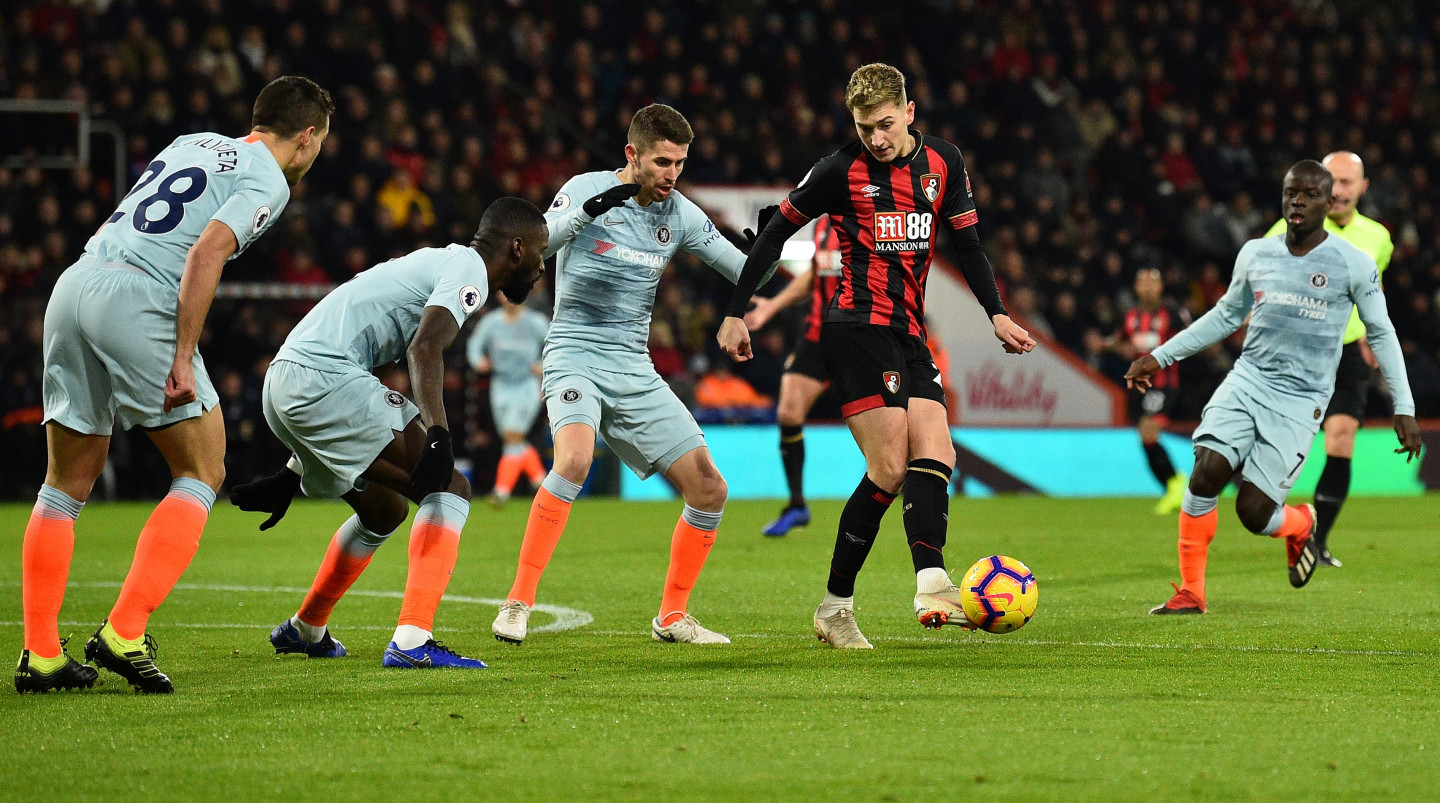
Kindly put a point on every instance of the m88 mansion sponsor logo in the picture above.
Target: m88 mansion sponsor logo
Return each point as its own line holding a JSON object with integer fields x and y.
{"x": 903, "y": 231}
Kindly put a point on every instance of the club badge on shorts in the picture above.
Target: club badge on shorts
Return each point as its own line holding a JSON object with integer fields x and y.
{"x": 892, "y": 381}
{"x": 394, "y": 399}
{"x": 570, "y": 396}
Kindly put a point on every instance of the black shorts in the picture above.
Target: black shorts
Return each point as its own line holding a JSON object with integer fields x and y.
{"x": 805, "y": 359}
{"x": 1352, "y": 384}
{"x": 1157, "y": 402}
{"x": 876, "y": 366}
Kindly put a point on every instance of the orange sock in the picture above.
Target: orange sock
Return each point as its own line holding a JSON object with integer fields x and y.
{"x": 434, "y": 546}
{"x": 1297, "y": 522}
{"x": 348, "y": 555}
{"x": 689, "y": 547}
{"x": 506, "y": 473}
{"x": 167, "y": 543}
{"x": 548, "y": 514}
{"x": 1196, "y": 533}
{"x": 532, "y": 466}
{"x": 45, "y": 567}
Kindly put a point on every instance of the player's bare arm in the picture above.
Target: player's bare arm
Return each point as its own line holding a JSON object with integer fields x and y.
{"x": 203, "y": 266}
{"x": 426, "y": 356}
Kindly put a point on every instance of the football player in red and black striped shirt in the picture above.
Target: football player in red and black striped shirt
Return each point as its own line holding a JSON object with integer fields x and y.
{"x": 887, "y": 195}
{"x": 805, "y": 377}
{"x": 1148, "y": 324}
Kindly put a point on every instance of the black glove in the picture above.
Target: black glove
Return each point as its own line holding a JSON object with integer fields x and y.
{"x": 764, "y": 219}
{"x": 271, "y": 494}
{"x": 609, "y": 199}
{"x": 437, "y": 463}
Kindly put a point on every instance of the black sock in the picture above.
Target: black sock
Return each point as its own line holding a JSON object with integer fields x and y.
{"x": 859, "y": 523}
{"x": 792, "y": 455}
{"x": 927, "y": 512}
{"x": 1330, "y": 493}
{"x": 1160, "y": 464}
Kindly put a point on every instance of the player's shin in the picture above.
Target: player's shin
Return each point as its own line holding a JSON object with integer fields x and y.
{"x": 927, "y": 512}
{"x": 348, "y": 555}
{"x": 548, "y": 513}
{"x": 167, "y": 543}
{"x": 1330, "y": 493}
{"x": 1198, "y": 522}
{"x": 434, "y": 546}
{"x": 792, "y": 456}
{"x": 45, "y": 567}
{"x": 859, "y": 523}
{"x": 689, "y": 547}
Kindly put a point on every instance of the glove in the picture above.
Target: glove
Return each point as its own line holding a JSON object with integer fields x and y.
{"x": 271, "y": 494}
{"x": 763, "y": 220}
{"x": 609, "y": 199}
{"x": 437, "y": 463}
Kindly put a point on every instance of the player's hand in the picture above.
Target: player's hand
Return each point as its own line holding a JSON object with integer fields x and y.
{"x": 271, "y": 494}
{"x": 1010, "y": 334}
{"x": 734, "y": 339}
{"x": 437, "y": 463}
{"x": 1138, "y": 377}
{"x": 1409, "y": 434}
{"x": 179, "y": 386}
{"x": 760, "y": 223}
{"x": 609, "y": 199}
{"x": 762, "y": 309}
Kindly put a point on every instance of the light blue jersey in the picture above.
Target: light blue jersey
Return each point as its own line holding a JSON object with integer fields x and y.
{"x": 512, "y": 346}
{"x": 609, "y": 267}
{"x": 1299, "y": 308}
{"x": 370, "y": 320}
{"x": 197, "y": 179}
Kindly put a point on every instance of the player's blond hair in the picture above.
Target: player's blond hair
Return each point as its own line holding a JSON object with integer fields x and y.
{"x": 873, "y": 86}
{"x": 656, "y": 122}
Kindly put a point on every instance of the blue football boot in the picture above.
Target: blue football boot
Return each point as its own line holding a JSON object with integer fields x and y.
{"x": 286, "y": 639}
{"x": 790, "y": 518}
{"x": 430, "y": 655}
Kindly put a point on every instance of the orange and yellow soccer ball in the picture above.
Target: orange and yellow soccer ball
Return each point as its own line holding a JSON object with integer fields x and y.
{"x": 999, "y": 594}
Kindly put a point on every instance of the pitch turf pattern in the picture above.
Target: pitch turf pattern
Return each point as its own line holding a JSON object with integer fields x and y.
{"x": 1328, "y": 692}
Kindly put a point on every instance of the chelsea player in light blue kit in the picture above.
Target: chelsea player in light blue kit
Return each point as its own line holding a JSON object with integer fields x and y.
{"x": 120, "y": 340}
{"x": 1298, "y": 290}
{"x": 354, "y": 438}
{"x": 506, "y": 345}
{"x": 614, "y": 233}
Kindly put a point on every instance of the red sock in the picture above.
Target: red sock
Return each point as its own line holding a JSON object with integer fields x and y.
{"x": 1297, "y": 522}
{"x": 548, "y": 514}
{"x": 434, "y": 547}
{"x": 1196, "y": 533}
{"x": 506, "y": 473}
{"x": 689, "y": 547}
{"x": 338, "y": 571}
{"x": 45, "y": 567}
{"x": 533, "y": 467}
{"x": 167, "y": 543}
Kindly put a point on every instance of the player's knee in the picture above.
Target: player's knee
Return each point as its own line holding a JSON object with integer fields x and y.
{"x": 386, "y": 519}
{"x": 790, "y": 415}
{"x": 1254, "y": 515}
{"x": 459, "y": 485}
{"x": 574, "y": 468}
{"x": 886, "y": 472}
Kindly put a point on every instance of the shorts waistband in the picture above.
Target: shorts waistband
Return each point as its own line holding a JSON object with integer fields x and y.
{"x": 92, "y": 261}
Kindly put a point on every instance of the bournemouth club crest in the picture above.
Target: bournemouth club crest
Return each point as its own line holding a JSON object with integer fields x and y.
{"x": 930, "y": 185}
{"x": 892, "y": 381}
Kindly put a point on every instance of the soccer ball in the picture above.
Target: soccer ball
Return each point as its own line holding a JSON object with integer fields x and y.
{"x": 999, "y": 594}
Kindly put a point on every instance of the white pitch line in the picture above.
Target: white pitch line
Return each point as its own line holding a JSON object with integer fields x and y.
{"x": 565, "y": 618}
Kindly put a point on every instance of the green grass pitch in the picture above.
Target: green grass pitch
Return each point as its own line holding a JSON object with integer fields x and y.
{"x": 1329, "y": 692}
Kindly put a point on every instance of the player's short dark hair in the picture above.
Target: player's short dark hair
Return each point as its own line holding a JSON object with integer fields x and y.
{"x": 290, "y": 104}
{"x": 656, "y": 122}
{"x": 509, "y": 216}
{"x": 1312, "y": 168}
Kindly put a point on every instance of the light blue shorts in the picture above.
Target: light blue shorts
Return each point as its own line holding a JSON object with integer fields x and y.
{"x": 514, "y": 406}
{"x": 109, "y": 342}
{"x": 1271, "y": 446}
{"x": 640, "y": 418}
{"x": 335, "y": 423}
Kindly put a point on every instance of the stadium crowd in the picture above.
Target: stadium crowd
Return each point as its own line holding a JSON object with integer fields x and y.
{"x": 1102, "y": 137}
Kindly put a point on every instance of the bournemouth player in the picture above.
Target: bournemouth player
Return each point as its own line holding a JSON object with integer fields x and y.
{"x": 1148, "y": 324}
{"x": 888, "y": 194}
{"x": 120, "y": 344}
{"x": 354, "y": 438}
{"x": 506, "y": 345}
{"x": 1298, "y": 290}
{"x": 1352, "y": 378}
{"x": 615, "y": 231}
{"x": 804, "y": 378}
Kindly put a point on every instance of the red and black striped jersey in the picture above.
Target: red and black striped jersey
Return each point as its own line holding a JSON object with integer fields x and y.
{"x": 885, "y": 218}
{"x": 1146, "y": 329}
{"x": 824, "y": 276}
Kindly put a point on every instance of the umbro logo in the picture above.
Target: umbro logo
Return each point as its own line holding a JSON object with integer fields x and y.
{"x": 870, "y": 190}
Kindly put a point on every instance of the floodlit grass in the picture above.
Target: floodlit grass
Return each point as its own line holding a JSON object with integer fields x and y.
{"x": 1324, "y": 693}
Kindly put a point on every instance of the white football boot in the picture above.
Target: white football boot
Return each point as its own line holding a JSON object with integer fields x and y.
{"x": 512, "y": 622}
{"x": 840, "y": 631}
{"x": 685, "y": 630}
{"x": 941, "y": 607}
